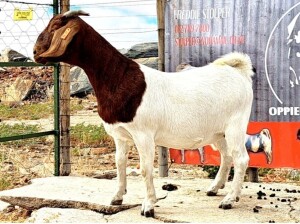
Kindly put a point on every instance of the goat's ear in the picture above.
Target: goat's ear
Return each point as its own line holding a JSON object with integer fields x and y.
{"x": 60, "y": 41}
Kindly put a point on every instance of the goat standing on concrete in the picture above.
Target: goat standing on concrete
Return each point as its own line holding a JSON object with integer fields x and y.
{"x": 146, "y": 107}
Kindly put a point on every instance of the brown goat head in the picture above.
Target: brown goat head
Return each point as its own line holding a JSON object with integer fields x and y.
{"x": 52, "y": 43}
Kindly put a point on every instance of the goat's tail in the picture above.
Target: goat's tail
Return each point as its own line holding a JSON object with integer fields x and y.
{"x": 239, "y": 61}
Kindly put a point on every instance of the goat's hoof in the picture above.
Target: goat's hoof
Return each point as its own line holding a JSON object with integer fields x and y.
{"x": 225, "y": 206}
{"x": 116, "y": 202}
{"x": 148, "y": 214}
{"x": 211, "y": 193}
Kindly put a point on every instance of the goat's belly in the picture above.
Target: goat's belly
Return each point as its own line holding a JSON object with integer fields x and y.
{"x": 187, "y": 143}
{"x": 181, "y": 143}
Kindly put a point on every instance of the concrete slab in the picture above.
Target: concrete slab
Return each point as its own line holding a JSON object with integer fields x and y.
{"x": 187, "y": 204}
{"x": 3, "y": 205}
{"x": 59, "y": 215}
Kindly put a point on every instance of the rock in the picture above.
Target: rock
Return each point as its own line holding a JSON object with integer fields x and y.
{"x": 44, "y": 169}
{"x": 110, "y": 174}
{"x": 18, "y": 91}
{"x": 80, "y": 84}
{"x": 144, "y": 50}
{"x": 150, "y": 62}
{"x": 295, "y": 174}
{"x": 8, "y": 55}
{"x": 7, "y": 167}
{"x": 123, "y": 50}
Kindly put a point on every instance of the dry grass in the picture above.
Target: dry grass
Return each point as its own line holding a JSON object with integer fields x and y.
{"x": 14, "y": 215}
{"x": 34, "y": 111}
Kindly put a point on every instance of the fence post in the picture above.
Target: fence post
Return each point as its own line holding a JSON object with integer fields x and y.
{"x": 56, "y": 121}
{"x": 55, "y": 7}
{"x": 253, "y": 174}
{"x": 160, "y": 8}
{"x": 65, "y": 109}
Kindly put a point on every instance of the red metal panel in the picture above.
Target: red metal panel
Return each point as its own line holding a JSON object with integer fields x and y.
{"x": 285, "y": 142}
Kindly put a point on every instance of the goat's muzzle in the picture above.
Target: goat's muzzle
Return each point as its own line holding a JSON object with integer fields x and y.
{"x": 37, "y": 58}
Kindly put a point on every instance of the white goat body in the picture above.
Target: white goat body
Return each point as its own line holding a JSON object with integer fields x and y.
{"x": 190, "y": 109}
{"x": 145, "y": 107}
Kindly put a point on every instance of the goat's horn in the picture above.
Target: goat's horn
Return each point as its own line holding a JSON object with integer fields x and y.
{"x": 75, "y": 13}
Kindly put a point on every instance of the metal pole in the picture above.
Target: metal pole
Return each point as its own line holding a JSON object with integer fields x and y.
{"x": 56, "y": 108}
{"x": 55, "y": 7}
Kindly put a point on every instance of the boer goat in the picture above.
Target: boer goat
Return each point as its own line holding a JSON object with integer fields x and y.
{"x": 146, "y": 107}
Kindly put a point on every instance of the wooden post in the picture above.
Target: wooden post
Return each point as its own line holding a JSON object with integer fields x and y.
{"x": 160, "y": 8}
{"x": 163, "y": 156}
{"x": 253, "y": 174}
{"x": 65, "y": 169}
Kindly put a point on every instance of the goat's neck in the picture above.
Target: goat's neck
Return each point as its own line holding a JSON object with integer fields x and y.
{"x": 101, "y": 57}
{"x": 118, "y": 82}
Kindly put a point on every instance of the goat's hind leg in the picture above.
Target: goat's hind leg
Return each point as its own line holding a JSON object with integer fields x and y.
{"x": 122, "y": 149}
{"x": 236, "y": 145}
{"x": 223, "y": 172}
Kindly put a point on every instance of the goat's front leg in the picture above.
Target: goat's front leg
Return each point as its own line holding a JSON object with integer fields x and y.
{"x": 146, "y": 149}
{"x": 122, "y": 149}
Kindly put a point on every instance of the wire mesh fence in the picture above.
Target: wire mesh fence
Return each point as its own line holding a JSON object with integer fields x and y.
{"x": 27, "y": 95}
{"x": 21, "y": 22}
{"x": 26, "y": 111}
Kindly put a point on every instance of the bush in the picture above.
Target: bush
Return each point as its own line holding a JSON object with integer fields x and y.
{"x": 88, "y": 135}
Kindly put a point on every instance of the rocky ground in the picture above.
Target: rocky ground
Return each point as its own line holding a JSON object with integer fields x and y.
{"x": 33, "y": 82}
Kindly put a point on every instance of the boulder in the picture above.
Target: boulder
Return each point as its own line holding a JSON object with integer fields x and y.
{"x": 80, "y": 84}
{"x": 144, "y": 50}
{"x": 8, "y": 55}
{"x": 18, "y": 91}
{"x": 123, "y": 50}
{"x": 150, "y": 62}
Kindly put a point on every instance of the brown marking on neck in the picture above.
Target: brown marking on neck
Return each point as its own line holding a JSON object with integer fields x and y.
{"x": 118, "y": 82}
{"x": 121, "y": 93}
